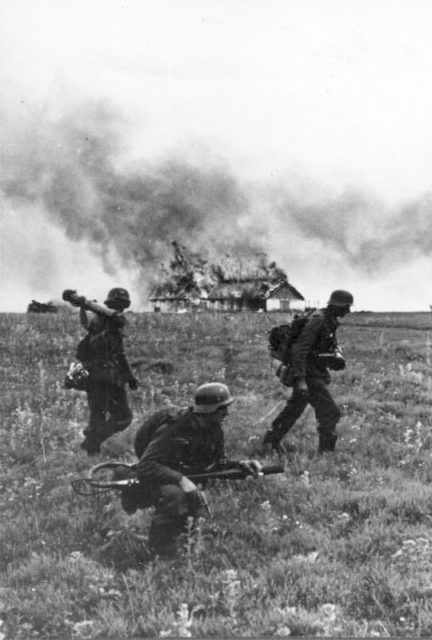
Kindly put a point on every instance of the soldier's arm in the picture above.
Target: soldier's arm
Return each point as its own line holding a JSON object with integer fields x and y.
{"x": 126, "y": 370}
{"x": 83, "y": 318}
{"x": 153, "y": 466}
{"x": 304, "y": 345}
{"x": 221, "y": 460}
{"x": 124, "y": 365}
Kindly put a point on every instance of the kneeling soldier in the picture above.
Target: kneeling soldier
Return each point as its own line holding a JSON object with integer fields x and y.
{"x": 189, "y": 442}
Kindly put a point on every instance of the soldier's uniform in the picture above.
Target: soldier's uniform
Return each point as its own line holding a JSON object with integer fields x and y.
{"x": 189, "y": 442}
{"x": 179, "y": 447}
{"x": 317, "y": 338}
{"x": 102, "y": 354}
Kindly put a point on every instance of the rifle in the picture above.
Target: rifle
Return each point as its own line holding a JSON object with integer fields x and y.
{"x": 70, "y": 295}
{"x": 94, "y": 483}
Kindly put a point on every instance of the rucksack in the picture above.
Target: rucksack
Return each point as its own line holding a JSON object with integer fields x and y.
{"x": 147, "y": 430}
{"x": 282, "y": 337}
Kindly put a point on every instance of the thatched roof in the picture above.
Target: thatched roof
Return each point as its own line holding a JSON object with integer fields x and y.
{"x": 228, "y": 291}
{"x": 162, "y": 292}
{"x": 284, "y": 287}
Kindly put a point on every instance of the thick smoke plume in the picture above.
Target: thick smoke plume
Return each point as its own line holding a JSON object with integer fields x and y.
{"x": 71, "y": 178}
{"x": 75, "y": 171}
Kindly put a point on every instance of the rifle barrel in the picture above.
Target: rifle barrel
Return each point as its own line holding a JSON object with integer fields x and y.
{"x": 233, "y": 474}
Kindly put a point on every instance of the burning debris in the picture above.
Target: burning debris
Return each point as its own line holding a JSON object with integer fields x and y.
{"x": 247, "y": 282}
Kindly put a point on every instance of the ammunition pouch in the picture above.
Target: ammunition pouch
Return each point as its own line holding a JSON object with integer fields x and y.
{"x": 285, "y": 374}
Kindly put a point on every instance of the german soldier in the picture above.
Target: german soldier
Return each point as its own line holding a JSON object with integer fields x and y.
{"x": 313, "y": 354}
{"x": 189, "y": 442}
{"x": 102, "y": 354}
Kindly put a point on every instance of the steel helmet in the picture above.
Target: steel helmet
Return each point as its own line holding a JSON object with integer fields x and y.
{"x": 118, "y": 295}
{"x": 341, "y": 298}
{"x": 210, "y": 396}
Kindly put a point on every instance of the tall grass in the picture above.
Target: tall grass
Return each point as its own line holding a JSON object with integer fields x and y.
{"x": 336, "y": 546}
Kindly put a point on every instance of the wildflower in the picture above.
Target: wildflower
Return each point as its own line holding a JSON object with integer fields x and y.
{"x": 232, "y": 589}
{"x": 305, "y": 478}
{"x": 329, "y": 613}
{"x": 309, "y": 558}
{"x": 184, "y": 621}
{"x": 329, "y": 610}
{"x": 344, "y": 517}
{"x": 83, "y": 629}
{"x": 283, "y": 631}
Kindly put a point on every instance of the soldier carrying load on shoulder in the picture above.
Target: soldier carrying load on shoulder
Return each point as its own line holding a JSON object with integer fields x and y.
{"x": 102, "y": 354}
{"x": 313, "y": 353}
{"x": 171, "y": 447}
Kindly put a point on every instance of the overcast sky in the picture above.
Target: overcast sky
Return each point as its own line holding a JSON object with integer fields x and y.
{"x": 313, "y": 100}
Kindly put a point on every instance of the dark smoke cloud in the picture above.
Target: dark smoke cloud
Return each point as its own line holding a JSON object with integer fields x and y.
{"x": 75, "y": 170}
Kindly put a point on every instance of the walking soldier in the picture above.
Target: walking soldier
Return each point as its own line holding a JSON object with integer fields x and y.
{"x": 102, "y": 354}
{"x": 312, "y": 355}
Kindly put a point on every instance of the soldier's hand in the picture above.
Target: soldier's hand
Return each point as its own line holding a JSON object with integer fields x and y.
{"x": 253, "y": 467}
{"x": 339, "y": 362}
{"x": 187, "y": 485}
{"x": 300, "y": 387}
{"x": 133, "y": 383}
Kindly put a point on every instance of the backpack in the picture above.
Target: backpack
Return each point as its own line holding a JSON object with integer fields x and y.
{"x": 137, "y": 496}
{"x": 282, "y": 337}
{"x": 147, "y": 430}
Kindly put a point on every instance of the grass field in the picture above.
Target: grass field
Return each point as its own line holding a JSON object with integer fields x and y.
{"x": 338, "y": 546}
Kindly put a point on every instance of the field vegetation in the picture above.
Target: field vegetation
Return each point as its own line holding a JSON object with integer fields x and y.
{"x": 338, "y": 545}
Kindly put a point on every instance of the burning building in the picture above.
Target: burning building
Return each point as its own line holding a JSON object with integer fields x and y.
{"x": 247, "y": 283}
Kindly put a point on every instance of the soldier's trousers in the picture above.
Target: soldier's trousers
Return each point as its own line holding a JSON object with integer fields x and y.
{"x": 173, "y": 508}
{"x": 326, "y": 411}
{"x": 109, "y": 413}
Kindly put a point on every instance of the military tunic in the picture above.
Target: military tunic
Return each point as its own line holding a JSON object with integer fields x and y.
{"x": 179, "y": 447}
{"x": 317, "y": 337}
{"x": 102, "y": 353}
